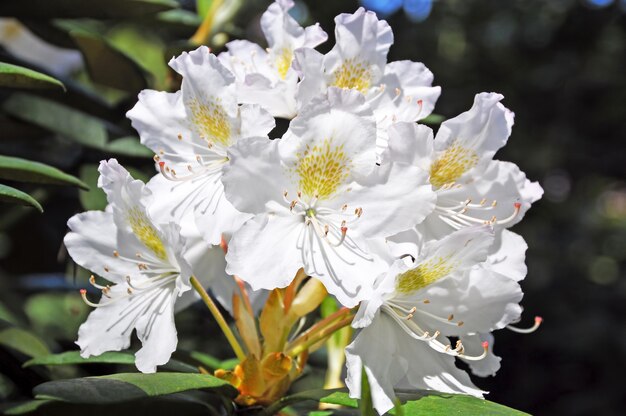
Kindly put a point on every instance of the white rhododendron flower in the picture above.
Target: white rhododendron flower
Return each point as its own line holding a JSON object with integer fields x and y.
{"x": 397, "y": 91}
{"x": 265, "y": 76}
{"x": 190, "y": 131}
{"x": 147, "y": 264}
{"x": 471, "y": 187}
{"x": 403, "y": 341}
{"x": 317, "y": 196}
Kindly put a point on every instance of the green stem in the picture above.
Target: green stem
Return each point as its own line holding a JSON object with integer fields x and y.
{"x": 230, "y": 336}
{"x": 308, "y": 340}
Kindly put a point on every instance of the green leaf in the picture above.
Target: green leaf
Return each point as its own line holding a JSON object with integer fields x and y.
{"x": 107, "y": 65}
{"x": 366, "y": 407}
{"x": 94, "y": 199}
{"x": 441, "y": 404}
{"x": 13, "y": 76}
{"x": 27, "y": 407}
{"x": 23, "y": 170}
{"x": 23, "y": 341}
{"x": 99, "y": 9}
{"x": 76, "y": 125}
{"x": 129, "y": 146}
{"x": 14, "y": 196}
{"x": 336, "y": 396}
{"x": 73, "y": 357}
{"x": 433, "y": 119}
{"x": 112, "y": 357}
{"x": 123, "y": 387}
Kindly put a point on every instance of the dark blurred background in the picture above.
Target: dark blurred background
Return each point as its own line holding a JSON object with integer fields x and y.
{"x": 561, "y": 65}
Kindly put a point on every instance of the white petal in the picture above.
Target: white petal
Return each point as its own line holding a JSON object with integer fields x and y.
{"x": 481, "y": 299}
{"x": 216, "y": 216}
{"x": 337, "y": 118}
{"x": 309, "y": 64}
{"x": 395, "y": 198}
{"x": 159, "y": 118}
{"x": 431, "y": 370}
{"x": 375, "y": 348}
{"x": 489, "y": 365}
{"x": 507, "y": 256}
{"x": 254, "y": 180}
{"x": 347, "y": 271}
{"x": 360, "y": 35}
{"x": 483, "y": 130}
{"x": 417, "y": 95}
{"x": 203, "y": 73}
{"x": 91, "y": 243}
{"x": 264, "y": 253}
{"x": 410, "y": 143}
{"x": 255, "y": 121}
{"x": 157, "y": 332}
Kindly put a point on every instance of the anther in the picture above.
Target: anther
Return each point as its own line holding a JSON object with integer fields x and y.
{"x": 451, "y": 317}
{"x": 426, "y": 301}
{"x": 180, "y": 136}
{"x": 358, "y": 212}
{"x": 129, "y": 291}
{"x": 460, "y": 323}
{"x": 106, "y": 269}
{"x": 397, "y": 90}
{"x": 116, "y": 253}
{"x": 344, "y": 207}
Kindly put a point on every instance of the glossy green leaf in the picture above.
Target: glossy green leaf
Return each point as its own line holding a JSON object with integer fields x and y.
{"x": 112, "y": 357}
{"x": 433, "y": 119}
{"x": 128, "y": 146}
{"x": 187, "y": 404}
{"x": 15, "y": 196}
{"x": 410, "y": 404}
{"x": 75, "y": 125}
{"x": 73, "y": 357}
{"x": 122, "y": 387}
{"x": 23, "y": 170}
{"x": 13, "y": 76}
{"x": 27, "y": 407}
{"x": 441, "y": 404}
{"x": 336, "y": 396}
{"x": 100, "y": 9}
{"x": 23, "y": 341}
{"x": 94, "y": 199}
{"x": 107, "y": 65}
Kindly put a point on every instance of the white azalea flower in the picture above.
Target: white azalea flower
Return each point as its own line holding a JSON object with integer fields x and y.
{"x": 19, "y": 41}
{"x": 148, "y": 265}
{"x": 397, "y": 91}
{"x": 190, "y": 132}
{"x": 317, "y": 196}
{"x": 471, "y": 187}
{"x": 403, "y": 342}
{"x": 265, "y": 76}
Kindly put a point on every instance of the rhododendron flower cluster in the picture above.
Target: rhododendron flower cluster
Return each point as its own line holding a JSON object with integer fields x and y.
{"x": 405, "y": 228}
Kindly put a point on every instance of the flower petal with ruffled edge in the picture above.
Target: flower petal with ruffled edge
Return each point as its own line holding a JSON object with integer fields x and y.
{"x": 398, "y": 91}
{"x": 415, "y": 306}
{"x": 190, "y": 132}
{"x": 145, "y": 261}
{"x": 266, "y": 77}
{"x": 322, "y": 176}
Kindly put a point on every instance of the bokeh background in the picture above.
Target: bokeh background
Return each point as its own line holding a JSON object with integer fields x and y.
{"x": 561, "y": 65}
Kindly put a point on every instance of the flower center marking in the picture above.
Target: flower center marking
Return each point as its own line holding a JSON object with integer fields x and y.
{"x": 283, "y": 62}
{"x": 424, "y": 274}
{"x": 454, "y": 162}
{"x": 146, "y": 233}
{"x": 322, "y": 169}
{"x": 352, "y": 74}
{"x": 210, "y": 121}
